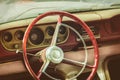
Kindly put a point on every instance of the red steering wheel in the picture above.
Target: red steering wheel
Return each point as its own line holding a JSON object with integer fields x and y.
{"x": 53, "y": 53}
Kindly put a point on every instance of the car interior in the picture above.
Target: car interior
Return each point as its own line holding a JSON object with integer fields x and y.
{"x": 59, "y": 44}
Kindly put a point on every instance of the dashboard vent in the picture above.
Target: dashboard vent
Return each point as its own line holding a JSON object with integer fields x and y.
{"x": 93, "y": 29}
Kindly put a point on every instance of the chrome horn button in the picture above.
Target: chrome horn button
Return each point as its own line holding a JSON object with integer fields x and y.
{"x": 54, "y": 54}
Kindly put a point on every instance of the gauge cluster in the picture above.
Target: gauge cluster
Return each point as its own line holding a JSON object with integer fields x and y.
{"x": 40, "y": 36}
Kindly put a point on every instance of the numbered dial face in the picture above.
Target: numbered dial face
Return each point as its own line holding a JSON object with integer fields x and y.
{"x": 62, "y": 30}
{"x": 7, "y": 36}
{"x": 50, "y": 30}
{"x": 36, "y": 36}
{"x": 19, "y": 34}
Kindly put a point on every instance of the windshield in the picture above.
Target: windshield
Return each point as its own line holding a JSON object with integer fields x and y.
{"x": 12, "y": 10}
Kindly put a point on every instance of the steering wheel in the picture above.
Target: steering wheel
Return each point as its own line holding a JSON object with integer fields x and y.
{"x": 54, "y": 53}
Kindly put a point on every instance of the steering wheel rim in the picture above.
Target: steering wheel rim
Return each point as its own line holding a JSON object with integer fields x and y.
{"x": 61, "y": 14}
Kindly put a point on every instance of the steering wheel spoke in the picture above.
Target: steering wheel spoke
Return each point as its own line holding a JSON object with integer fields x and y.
{"x": 54, "y": 39}
{"x": 43, "y": 68}
{"x": 73, "y": 62}
{"x": 76, "y": 63}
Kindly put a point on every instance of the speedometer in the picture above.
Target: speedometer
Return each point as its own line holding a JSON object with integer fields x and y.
{"x": 36, "y": 36}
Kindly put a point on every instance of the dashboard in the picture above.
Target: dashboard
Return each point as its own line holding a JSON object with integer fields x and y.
{"x": 41, "y": 35}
